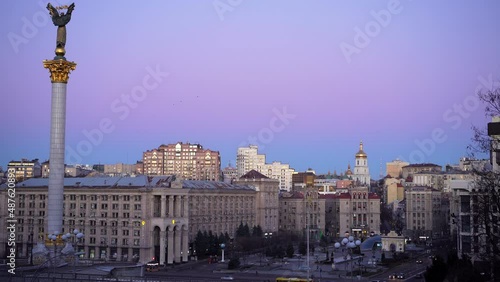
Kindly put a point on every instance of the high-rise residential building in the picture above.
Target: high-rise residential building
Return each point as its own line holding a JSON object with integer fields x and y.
{"x": 153, "y": 162}
{"x": 189, "y": 161}
{"x": 361, "y": 173}
{"x": 395, "y": 168}
{"x": 248, "y": 158}
{"x": 281, "y": 172}
{"x": 25, "y": 169}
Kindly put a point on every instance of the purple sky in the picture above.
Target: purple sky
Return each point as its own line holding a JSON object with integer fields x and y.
{"x": 234, "y": 70}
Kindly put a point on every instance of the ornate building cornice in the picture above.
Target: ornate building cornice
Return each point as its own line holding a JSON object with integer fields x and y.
{"x": 59, "y": 70}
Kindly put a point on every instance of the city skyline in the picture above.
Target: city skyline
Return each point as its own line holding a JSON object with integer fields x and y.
{"x": 306, "y": 83}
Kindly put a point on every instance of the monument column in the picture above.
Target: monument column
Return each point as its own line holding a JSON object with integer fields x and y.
{"x": 59, "y": 69}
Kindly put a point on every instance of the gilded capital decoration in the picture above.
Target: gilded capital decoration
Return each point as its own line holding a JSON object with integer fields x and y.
{"x": 59, "y": 70}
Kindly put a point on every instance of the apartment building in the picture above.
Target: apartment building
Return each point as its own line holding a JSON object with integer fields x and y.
{"x": 189, "y": 161}
{"x": 248, "y": 158}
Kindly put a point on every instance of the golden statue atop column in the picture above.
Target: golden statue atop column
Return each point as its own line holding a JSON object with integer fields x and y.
{"x": 60, "y": 20}
{"x": 60, "y": 68}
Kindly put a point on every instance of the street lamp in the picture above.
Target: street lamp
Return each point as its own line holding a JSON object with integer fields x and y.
{"x": 348, "y": 244}
{"x": 222, "y": 246}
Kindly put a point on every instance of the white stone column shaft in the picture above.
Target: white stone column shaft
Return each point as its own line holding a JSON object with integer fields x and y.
{"x": 56, "y": 166}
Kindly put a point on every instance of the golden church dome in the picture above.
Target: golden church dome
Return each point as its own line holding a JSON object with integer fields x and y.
{"x": 361, "y": 153}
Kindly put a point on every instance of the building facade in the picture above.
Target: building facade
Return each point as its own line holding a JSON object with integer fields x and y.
{"x": 266, "y": 201}
{"x": 189, "y": 161}
{"x": 282, "y": 172}
{"x": 135, "y": 218}
{"x": 359, "y": 212}
{"x": 410, "y": 170}
{"x": 25, "y": 169}
{"x": 425, "y": 216}
{"x": 120, "y": 169}
{"x": 395, "y": 168}
{"x": 248, "y": 158}
{"x": 229, "y": 174}
{"x": 299, "y": 210}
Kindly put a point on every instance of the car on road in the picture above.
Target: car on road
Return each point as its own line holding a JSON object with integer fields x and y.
{"x": 392, "y": 276}
{"x": 419, "y": 261}
{"x": 227, "y": 278}
{"x": 401, "y": 276}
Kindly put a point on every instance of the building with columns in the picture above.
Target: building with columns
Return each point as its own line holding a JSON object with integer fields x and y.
{"x": 361, "y": 174}
{"x": 134, "y": 218}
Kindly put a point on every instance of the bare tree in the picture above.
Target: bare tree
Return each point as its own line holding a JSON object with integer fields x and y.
{"x": 485, "y": 196}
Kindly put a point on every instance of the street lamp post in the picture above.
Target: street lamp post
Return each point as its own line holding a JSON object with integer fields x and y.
{"x": 348, "y": 243}
{"x": 222, "y": 246}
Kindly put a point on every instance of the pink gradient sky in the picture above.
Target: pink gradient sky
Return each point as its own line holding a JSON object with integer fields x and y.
{"x": 227, "y": 75}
